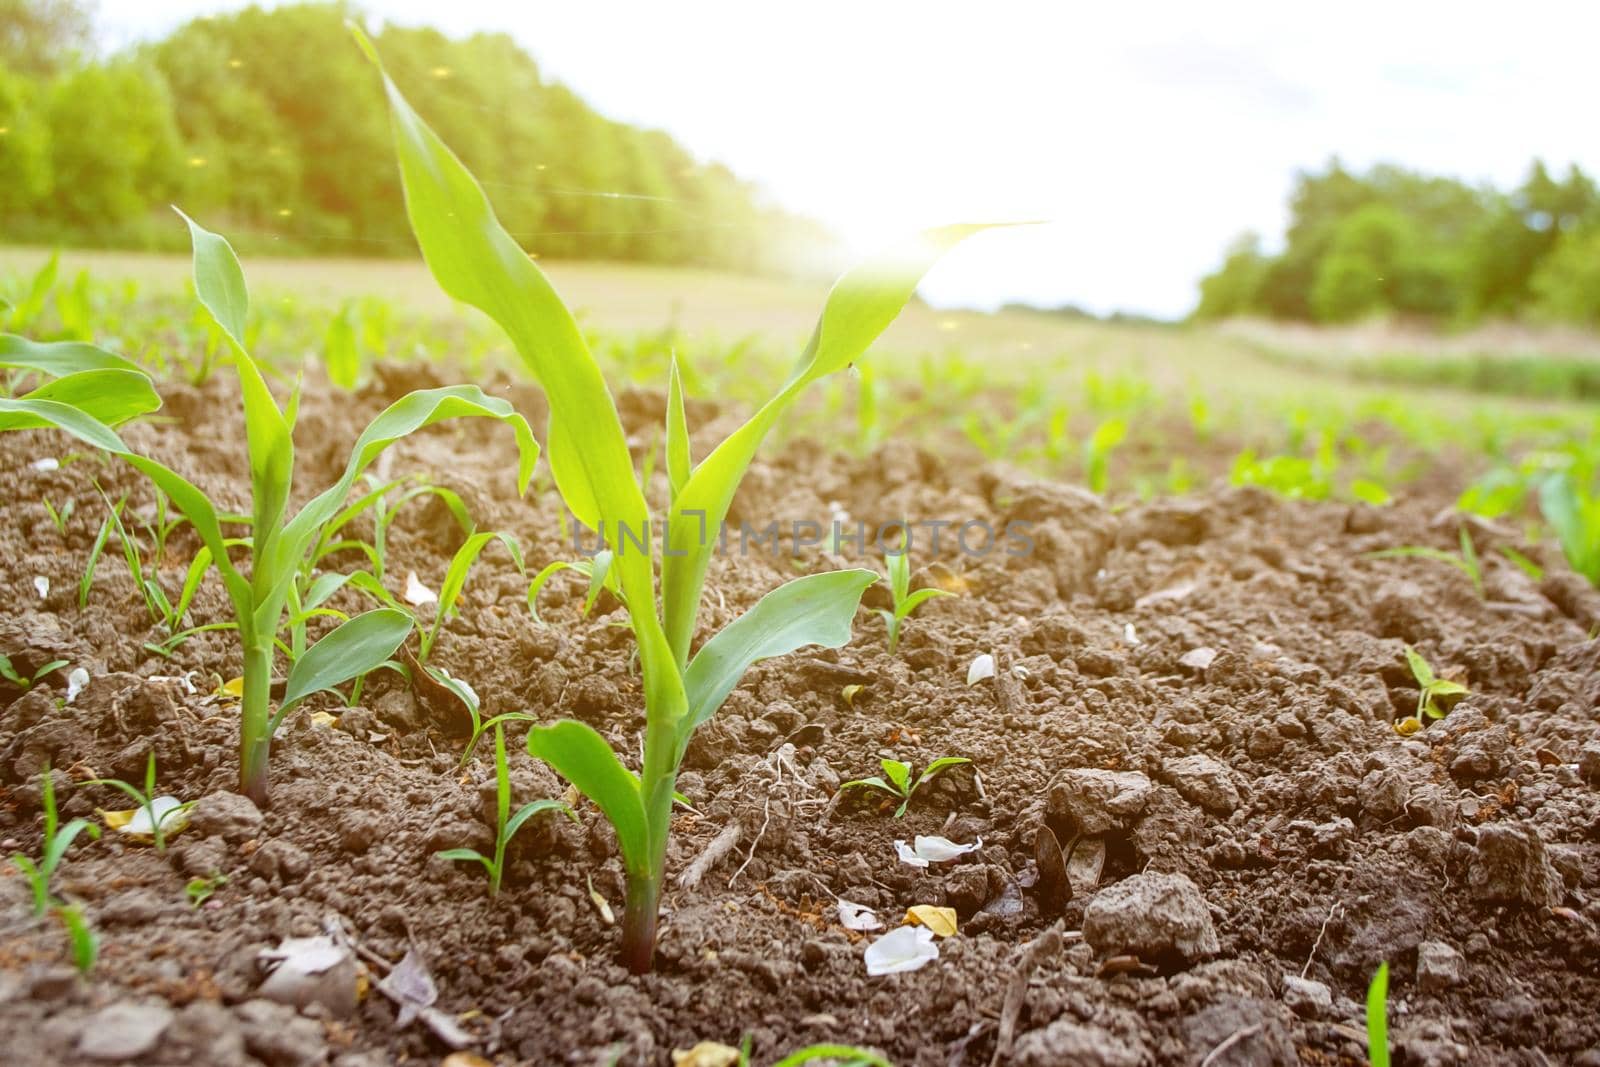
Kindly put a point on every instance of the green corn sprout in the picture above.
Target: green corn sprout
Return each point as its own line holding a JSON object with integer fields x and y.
{"x": 9, "y": 672}
{"x": 200, "y": 888}
{"x": 1378, "y": 1018}
{"x": 898, "y": 565}
{"x": 455, "y": 580}
{"x": 82, "y": 941}
{"x": 506, "y": 824}
{"x": 1574, "y": 513}
{"x": 278, "y": 544}
{"x": 59, "y": 517}
{"x": 478, "y": 263}
{"x": 146, "y": 800}
{"x": 57, "y": 839}
{"x": 900, "y": 783}
{"x": 597, "y": 569}
{"x": 1097, "y": 453}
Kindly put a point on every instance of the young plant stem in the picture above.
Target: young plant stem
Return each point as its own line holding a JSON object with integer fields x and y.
{"x": 255, "y": 719}
{"x": 639, "y": 923}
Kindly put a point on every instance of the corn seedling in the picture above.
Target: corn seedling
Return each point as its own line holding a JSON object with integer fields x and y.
{"x": 1097, "y": 453}
{"x": 477, "y": 262}
{"x": 59, "y": 517}
{"x": 597, "y": 569}
{"x": 1574, "y": 513}
{"x": 1466, "y": 561}
{"x": 82, "y": 942}
{"x": 1378, "y": 1018}
{"x": 278, "y": 544}
{"x": 22, "y": 681}
{"x": 455, "y": 580}
{"x": 1436, "y": 697}
{"x": 899, "y": 783}
{"x": 506, "y": 824}
{"x": 146, "y": 799}
{"x": 898, "y": 566}
{"x": 57, "y": 839}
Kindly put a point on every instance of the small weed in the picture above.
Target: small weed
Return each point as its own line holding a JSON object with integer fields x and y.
{"x": 899, "y": 783}
{"x": 57, "y": 839}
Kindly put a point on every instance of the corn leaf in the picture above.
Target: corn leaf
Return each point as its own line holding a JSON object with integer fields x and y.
{"x": 219, "y": 283}
{"x": 476, "y": 261}
{"x": 814, "y": 610}
{"x": 349, "y": 651}
{"x": 583, "y": 758}
{"x": 24, "y": 413}
{"x": 532, "y": 808}
{"x": 109, "y": 396}
{"x": 861, "y": 305}
{"x": 678, "y": 459}
{"x": 58, "y": 358}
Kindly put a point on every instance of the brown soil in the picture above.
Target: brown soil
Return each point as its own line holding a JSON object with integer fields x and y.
{"x": 1309, "y": 836}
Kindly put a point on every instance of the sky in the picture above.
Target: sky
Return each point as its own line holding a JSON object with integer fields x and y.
{"x": 1145, "y": 137}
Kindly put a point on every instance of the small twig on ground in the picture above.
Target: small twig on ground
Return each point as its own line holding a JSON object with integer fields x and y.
{"x": 1230, "y": 1041}
{"x": 714, "y": 854}
{"x": 1034, "y": 953}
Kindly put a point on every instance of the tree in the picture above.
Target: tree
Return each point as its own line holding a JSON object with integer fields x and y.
{"x": 39, "y": 37}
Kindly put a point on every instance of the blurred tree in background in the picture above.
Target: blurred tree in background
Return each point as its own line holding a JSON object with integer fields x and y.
{"x": 1395, "y": 242}
{"x": 271, "y": 125}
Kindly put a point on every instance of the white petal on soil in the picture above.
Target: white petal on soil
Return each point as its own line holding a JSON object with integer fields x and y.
{"x": 1198, "y": 658}
{"x": 416, "y": 593}
{"x": 909, "y": 855}
{"x": 982, "y": 667}
{"x": 311, "y": 970}
{"x": 165, "y": 810}
{"x": 905, "y": 948}
{"x": 942, "y": 849}
{"x": 853, "y": 916}
{"x": 42, "y": 584}
{"x": 410, "y": 986}
{"x": 48, "y": 463}
{"x": 1129, "y": 634}
{"x": 77, "y": 679}
{"x": 1172, "y": 592}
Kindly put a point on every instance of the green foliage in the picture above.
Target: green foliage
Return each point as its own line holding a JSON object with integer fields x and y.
{"x": 898, "y": 566}
{"x": 455, "y": 580}
{"x": 1466, "y": 561}
{"x": 1573, "y": 512}
{"x": 1566, "y": 286}
{"x": 1378, "y": 1018}
{"x": 476, "y": 261}
{"x": 1392, "y": 241}
{"x": 1436, "y": 696}
{"x": 897, "y": 780}
{"x": 26, "y": 681}
{"x": 200, "y": 888}
{"x": 267, "y": 118}
{"x": 506, "y": 824}
{"x": 82, "y": 942}
{"x": 57, "y": 839}
{"x": 279, "y": 544}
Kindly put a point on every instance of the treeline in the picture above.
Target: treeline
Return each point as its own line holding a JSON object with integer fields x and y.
{"x": 270, "y": 125}
{"x": 1391, "y": 241}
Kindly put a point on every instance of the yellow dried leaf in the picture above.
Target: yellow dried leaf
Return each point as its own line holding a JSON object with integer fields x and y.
{"x": 849, "y": 693}
{"x": 1407, "y": 726}
{"x": 324, "y": 718}
{"x": 706, "y": 1054}
{"x": 465, "y": 1059}
{"x": 233, "y": 687}
{"x": 942, "y": 921}
{"x": 601, "y": 905}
